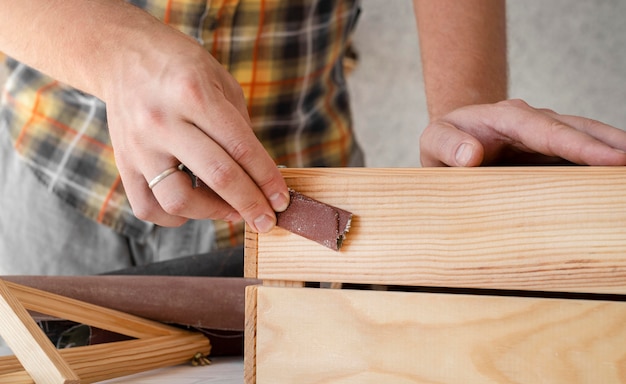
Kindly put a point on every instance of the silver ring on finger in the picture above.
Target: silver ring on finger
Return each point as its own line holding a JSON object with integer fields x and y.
{"x": 161, "y": 176}
{"x": 181, "y": 167}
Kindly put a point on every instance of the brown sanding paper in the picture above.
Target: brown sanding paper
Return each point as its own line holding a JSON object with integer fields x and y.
{"x": 314, "y": 220}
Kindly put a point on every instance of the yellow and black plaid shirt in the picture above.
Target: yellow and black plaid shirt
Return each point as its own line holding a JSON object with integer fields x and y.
{"x": 287, "y": 56}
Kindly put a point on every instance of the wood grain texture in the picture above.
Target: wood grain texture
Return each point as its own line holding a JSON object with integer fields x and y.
{"x": 283, "y": 283}
{"x": 28, "y": 342}
{"x": 158, "y": 345}
{"x": 106, "y": 361}
{"x": 535, "y": 228}
{"x": 81, "y": 312}
{"x": 249, "y": 362}
{"x": 341, "y": 336}
{"x": 250, "y": 253}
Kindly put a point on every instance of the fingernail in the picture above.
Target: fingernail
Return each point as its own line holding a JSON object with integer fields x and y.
{"x": 264, "y": 223}
{"x": 464, "y": 154}
{"x": 279, "y": 201}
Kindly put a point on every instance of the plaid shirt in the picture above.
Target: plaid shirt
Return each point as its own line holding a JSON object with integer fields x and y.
{"x": 287, "y": 56}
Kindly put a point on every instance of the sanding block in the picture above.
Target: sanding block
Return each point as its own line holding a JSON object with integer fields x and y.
{"x": 314, "y": 220}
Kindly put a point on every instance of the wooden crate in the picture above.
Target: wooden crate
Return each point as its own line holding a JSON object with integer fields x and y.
{"x": 518, "y": 273}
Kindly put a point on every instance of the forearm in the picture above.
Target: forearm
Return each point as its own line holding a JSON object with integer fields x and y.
{"x": 75, "y": 41}
{"x": 463, "y": 50}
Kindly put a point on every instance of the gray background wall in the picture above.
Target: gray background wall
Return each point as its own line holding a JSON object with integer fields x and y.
{"x": 568, "y": 55}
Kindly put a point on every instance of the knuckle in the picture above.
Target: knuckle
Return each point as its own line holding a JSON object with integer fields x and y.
{"x": 591, "y": 125}
{"x": 268, "y": 180}
{"x": 175, "y": 204}
{"x": 150, "y": 122}
{"x": 188, "y": 87}
{"x": 516, "y": 103}
{"x": 151, "y": 116}
{"x": 547, "y": 111}
{"x": 144, "y": 211}
{"x": 222, "y": 175}
{"x": 233, "y": 89}
{"x": 555, "y": 127}
{"x": 554, "y": 141}
{"x": 252, "y": 208}
{"x": 242, "y": 152}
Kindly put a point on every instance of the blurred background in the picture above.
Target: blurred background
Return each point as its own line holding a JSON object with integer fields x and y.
{"x": 567, "y": 55}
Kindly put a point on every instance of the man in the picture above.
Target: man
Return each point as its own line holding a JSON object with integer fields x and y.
{"x": 248, "y": 84}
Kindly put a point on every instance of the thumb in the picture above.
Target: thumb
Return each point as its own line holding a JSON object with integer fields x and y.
{"x": 443, "y": 144}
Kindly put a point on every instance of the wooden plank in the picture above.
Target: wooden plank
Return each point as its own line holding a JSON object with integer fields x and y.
{"x": 249, "y": 362}
{"x": 106, "y": 361}
{"x": 28, "y": 342}
{"x": 283, "y": 283}
{"x": 158, "y": 344}
{"x": 81, "y": 312}
{"x": 341, "y": 336}
{"x": 250, "y": 253}
{"x": 534, "y": 228}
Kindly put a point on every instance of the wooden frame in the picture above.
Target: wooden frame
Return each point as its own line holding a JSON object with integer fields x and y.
{"x": 36, "y": 360}
{"x": 553, "y": 229}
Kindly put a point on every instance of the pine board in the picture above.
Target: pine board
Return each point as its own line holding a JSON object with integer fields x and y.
{"x": 534, "y": 228}
{"x": 341, "y": 336}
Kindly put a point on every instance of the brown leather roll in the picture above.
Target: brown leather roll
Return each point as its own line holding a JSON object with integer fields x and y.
{"x": 215, "y": 303}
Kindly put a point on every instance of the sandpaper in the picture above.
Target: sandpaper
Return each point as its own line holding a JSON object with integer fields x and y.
{"x": 314, "y": 220}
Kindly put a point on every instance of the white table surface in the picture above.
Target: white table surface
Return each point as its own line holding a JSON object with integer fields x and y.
{"x": 223, "y": 370}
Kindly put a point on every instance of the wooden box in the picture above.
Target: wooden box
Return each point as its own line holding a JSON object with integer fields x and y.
{"x": 490, "y": 275}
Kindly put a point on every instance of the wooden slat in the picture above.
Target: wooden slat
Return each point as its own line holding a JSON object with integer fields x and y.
{"x": 106, "y": 361}
{"x": 340, "y": 336}
{"x": 535, "y": 228}
{"x": 31, "y": 346}
{"x": 250, "y": 253}
{"x": 283, "y": 283}
{"x": 158, "y": 345}
{"x": 81, "y": 312}
{"x": 249, "y": 367}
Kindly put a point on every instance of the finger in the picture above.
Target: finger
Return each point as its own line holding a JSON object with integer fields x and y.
{"x": 220, "y": 172}
{"x": 177, "y": 197}
{"x": 612, "y": 136}
{"x": 233, "y": 133}
{"x": 223, "y": 117}
{"x": 142, "y": 201}
{"x": 542, "y": 132}
{"x": 443, "y": 144}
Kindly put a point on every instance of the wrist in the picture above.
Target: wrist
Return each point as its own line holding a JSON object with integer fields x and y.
{"x": 442, "y": 104}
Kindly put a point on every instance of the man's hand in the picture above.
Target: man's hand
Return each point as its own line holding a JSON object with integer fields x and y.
{"x": 179, "y": 105}
{"x": 512, "y": 132}
{"x": 168, "y": 102}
